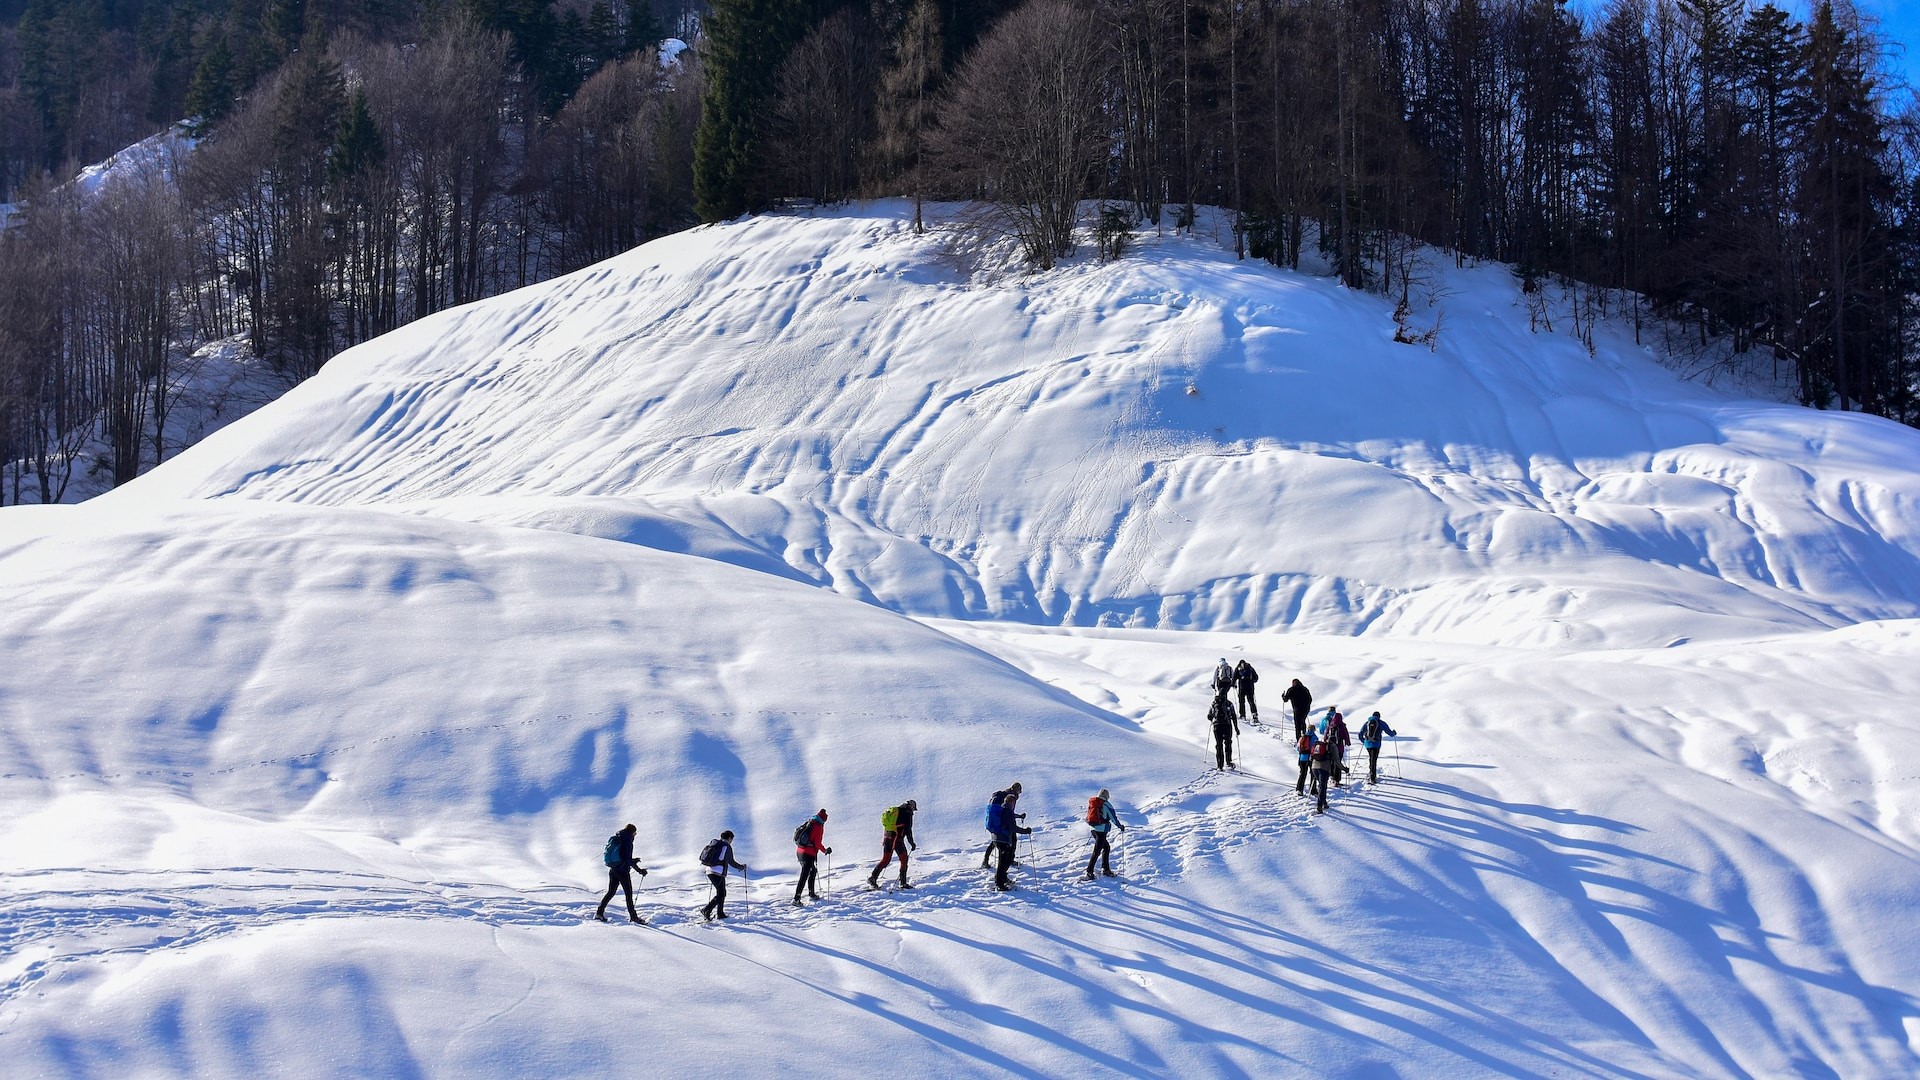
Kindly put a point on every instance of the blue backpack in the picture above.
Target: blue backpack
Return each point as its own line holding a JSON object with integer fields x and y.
{"x": 611, "y": 856}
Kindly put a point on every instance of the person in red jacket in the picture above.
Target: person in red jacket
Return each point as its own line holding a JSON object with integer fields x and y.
{"x": 812, "y": 843}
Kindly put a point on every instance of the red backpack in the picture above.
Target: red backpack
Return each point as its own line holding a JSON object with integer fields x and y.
{"x": 1095, "y": 806}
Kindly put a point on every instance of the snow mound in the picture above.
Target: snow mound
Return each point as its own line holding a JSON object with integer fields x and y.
{"x": 1175, "y": 440}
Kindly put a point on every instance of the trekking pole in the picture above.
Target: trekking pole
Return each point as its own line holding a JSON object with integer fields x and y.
{"x": 1397, "y": 773}
{"x": 829, "y": 871}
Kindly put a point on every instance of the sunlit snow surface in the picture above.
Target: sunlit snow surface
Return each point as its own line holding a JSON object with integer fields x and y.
{"x": 313, "y": 735}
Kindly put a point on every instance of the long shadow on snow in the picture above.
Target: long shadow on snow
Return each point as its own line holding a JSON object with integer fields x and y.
{"x": 1574, "y": 868}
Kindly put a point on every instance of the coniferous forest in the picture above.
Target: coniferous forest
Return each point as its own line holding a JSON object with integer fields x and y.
{"x": 1746, "y": 174}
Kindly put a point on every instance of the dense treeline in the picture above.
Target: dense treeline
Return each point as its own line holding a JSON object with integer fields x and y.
{"x": 1753, "y": 178}
{"x": 356, "y": 167}
{"x": 1749, "y": 175}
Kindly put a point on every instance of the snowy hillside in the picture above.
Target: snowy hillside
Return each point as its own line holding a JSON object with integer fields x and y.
{"x": 312, "y": 736}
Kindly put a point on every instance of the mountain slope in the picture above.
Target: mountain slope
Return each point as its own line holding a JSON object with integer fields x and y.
{"x": 1175, "y": 440}
{"x": 313, "y": 735}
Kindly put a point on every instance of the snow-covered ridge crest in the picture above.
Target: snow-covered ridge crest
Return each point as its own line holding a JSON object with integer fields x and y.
{"x": 1173, "y": 440}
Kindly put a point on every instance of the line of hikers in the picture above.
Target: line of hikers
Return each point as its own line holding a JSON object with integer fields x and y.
{"x": 1322, "y": 750}
{"x": 1322, "y": 747}
{"x": 897, "y": 840}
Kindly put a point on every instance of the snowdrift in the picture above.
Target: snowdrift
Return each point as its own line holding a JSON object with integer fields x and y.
{"x": 312, "y": 735}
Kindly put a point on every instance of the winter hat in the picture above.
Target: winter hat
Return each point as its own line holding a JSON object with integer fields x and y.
{"x": 727, "y": 835}
{"x": 911, "y": 805}
{"x": 822, "y": 815}
{"x": 630, "y": 827}
{"x": 1103, "y": 793}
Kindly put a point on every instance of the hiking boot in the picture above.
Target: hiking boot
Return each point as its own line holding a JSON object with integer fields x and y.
{"x": 1088, "y": 876}
{"x": 636, "y": 919}
{"x": 797, "y": 903}
{"x": 1109, "y": 873}
{"x": 813, "y": 896}
{"x": 873, "y": 882}
{"x": 601, "y": 915}
{"x": 905, "y": 885}
{"x": 706, "y": 916}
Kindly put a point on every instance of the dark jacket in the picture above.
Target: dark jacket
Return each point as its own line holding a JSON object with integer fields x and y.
{"x": 903, "y": 824}
{"x": 625, "y": 851}
{"x": 1299, "y": 697}
{"x": 1244, "y": 675}
{"x": 1222, "y": 714}
{"x": 1002, "y": 826}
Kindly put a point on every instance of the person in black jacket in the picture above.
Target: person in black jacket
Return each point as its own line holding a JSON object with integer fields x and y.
{"x": 1225, "y": 724}
{"x": 1301, "y": 699}
{"x": 1243, "y": 679}
{"x": 895, "y": 840}
{"x": 717, "y": 858}
{"x": 620, "y": 874}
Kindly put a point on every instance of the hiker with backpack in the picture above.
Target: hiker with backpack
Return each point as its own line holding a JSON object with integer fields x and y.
{"x": 1333, "y": 733}
{"x": 620, "y": 867}
{"x": 1006, "y": 832}
{"x": 1225, "y": 724}
{"x": 1305, "y": 745}
{"x": 1011, "y": 796}
{"x": 1222, "y": 677}
{"x": 896, "y": 824}
{"x": 1324, "y": 753}
{"x": 1370, "y": 738}
{"x": 717, "y": 858}
{"x": 1101, "y": 818}
{"x": 808, "y": 842}
{"x": 1243, "y": 679}
{"x": 1301, "y": 699}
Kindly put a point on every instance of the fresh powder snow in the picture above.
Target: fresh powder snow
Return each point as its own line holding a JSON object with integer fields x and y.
{"x": 313, "y": 735}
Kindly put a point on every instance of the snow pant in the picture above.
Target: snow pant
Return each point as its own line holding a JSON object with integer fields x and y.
{"x": 1102, "y": 849}
{"x": 809, "y": 871}
{"x": 1003, "y": 849}
{"x": 718, "y": 905}
{"x": 1320, "y": 774}
{"x": 1299, "y": 722}
{"x": 1373, "y": 764}
{"x": 619, "y": 877}
{"x": 891, "y": 845}
{"x": 1248, "y": 707}
{"x": 1222, "y": 747}
{"x": 1300, "y": 785}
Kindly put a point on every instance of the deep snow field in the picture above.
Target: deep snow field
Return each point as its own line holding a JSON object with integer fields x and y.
{"x": 312, "y": 736}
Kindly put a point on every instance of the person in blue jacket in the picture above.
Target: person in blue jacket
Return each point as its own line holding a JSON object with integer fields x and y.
{"x": 1305, "y": 746}
{"x": 1370, "y": 732}
{"x": 1006, "y": 832}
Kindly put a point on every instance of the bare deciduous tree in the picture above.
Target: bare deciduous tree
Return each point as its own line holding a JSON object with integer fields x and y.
{"x": 1022, "y": 126}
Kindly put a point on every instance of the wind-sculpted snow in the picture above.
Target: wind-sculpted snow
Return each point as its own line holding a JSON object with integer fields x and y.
{"x": 309, "y": 741}
{"x": 1175, "y": 440}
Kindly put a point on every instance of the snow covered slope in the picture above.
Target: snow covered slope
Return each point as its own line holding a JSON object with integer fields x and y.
{"x": 312, "y": 736}
{"x": 1178, "y": 440}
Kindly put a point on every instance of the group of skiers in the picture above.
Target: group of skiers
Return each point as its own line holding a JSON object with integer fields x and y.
{"x": 1322, "y": 747}
{"x": 1322, "y": 750}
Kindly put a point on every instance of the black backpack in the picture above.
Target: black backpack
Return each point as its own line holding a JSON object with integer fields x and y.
{"x": 800, "y": 833}
{"x": 710, "y": 855}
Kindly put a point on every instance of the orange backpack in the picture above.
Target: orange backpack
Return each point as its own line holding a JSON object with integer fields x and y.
{"x": 1094, "y": 808}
